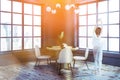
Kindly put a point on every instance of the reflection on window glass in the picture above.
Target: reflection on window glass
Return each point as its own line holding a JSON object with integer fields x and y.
{"x": 82, "y": 42}
{"x": 27, "y": 8}
{"x": 17, "y": 18}
{"x": 102, "y": 6}
{"x": 82, "y": 31}
{"x": 27, "y": 43}
{"x": 37, "y": 31}
{"x": 37, "y": 41}
{"x": 5, "y": 30}
{"x": 113, "y": 17}
{"x": 103, "y": 18}
{"x": 17, "y": 30}
{"x": 5, "y": 5}
{"x": 37, "y": 10}
{"x": 17, "y": 43}
{"x": 90, "y": 30}
{"x": 90, "y": 45}
{"x": 17, "y": 7}
{"x": 5, "y": 44}
{"x": 82, "y": 20}
{"x": 83, "y": 10}
{"x": 28, "y": 19}
{"x": 92, "y": 20}
{"x": 113, "y": 30}
{"x": 91, "y": 8}
{"x": 113, "y": 5}
{"x": 113, "y": 44}
{"x": 6, "y": 18}
{"x": 37, "y": 20}
{"x": 27, "y": 30}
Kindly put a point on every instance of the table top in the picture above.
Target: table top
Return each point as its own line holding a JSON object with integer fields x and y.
{"x": 57, "y": 48}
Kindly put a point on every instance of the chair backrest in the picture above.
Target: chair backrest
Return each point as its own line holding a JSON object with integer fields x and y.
{"x": 37, "y": 51}
{"x": 65, "y": 55}
{"x": 86, "y": 52}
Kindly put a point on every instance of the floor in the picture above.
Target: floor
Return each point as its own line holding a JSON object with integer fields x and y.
{"x": 28, "y": 71}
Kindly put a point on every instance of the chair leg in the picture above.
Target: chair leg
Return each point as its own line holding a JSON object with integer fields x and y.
{"x": 39, "y": 62}
{"x": 50, "y": 61}
{"x": 86, "y": 64}
{"x": 47, "y": 61}
{"x": 59, "y": 68}
{"x": 73, "y": 63}
{"x": 36, "y": 62}
{"x": 71, "y": 68}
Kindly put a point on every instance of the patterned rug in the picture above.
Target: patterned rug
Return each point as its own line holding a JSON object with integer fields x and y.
{"x": 49, "y": 72}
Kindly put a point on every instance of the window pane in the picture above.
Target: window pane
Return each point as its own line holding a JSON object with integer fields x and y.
{"x": 82, "y": 42}
{"x": 27, "y": 43}
{"x": 27, "y": 30}
{"x": 17, "y": 18}
{"x": 82, "y": 31}
{"x": 83, "y": 10}
{"x": 17, "y": 30}
{"x": 28, "y": 19}
{"x": 5, "y": 30}
{"x": 90, "y": 30}
{"x": 6, "y": 18}
{"x": 27, "y": 8}
{"x": 17, "y": 43}
{"x": 114, "y": 31}
{"x": 104, "y": 41}
{"x": 37, "y": 41}
{"x": 82, "y": 20}
{"x": 5, "y": 44}
{"x": 92, "y": 20}
{"x": 104, "y": 31}
{"x": 37, "y": 20}
{"x": 114, "y": 44}
{"x": 102, "y": 6}
{"x": 17, "y": 7}
{"x": 37, "y": 31}
{"x": 103, "y": 18}
{"x": 90, "y": 45}
{"x": 113, "y": 17}
{"x": 113, "y": 5}
{"x": 37, "y": 10}
{"x": 5, "y": 5}
{"x": 91, "y": 8}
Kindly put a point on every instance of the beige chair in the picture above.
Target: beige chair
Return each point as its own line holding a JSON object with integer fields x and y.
{"x": 65, "y": 58}
{"x": 81, "y": 58}
{"x": 40, "y": 57}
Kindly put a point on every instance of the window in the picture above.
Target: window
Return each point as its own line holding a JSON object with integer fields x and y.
{"x": 5, "y": 17}
{"x": 108, "y": 11}
{"x": 19, "y": 30}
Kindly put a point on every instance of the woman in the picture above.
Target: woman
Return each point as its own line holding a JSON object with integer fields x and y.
{"x": 97, "y": 49}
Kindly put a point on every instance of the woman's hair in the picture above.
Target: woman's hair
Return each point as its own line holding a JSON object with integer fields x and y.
{"x": 98, "y": 31}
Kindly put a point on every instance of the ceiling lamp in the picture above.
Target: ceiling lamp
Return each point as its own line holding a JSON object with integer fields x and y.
{"x": 67, "y": 7}
{"x": 53, "y": 11}
{"x": 58, "y": 5}
{"x": 48, "y": 9}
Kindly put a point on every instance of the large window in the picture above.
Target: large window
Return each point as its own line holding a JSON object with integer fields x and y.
{"x": 108, "y": 11}
{"x": 20, "y": 25}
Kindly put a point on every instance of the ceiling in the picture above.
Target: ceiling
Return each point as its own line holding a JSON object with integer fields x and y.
{"x": 66, "y": 1}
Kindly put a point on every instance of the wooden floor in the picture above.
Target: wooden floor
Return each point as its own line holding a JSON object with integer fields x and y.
{"x": 28, "y": 71}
